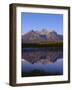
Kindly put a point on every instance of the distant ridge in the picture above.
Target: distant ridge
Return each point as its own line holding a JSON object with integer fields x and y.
{"x": 43, "y": 35}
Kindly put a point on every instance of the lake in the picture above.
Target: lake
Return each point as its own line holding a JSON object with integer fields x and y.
{"x": 42, "y": 61}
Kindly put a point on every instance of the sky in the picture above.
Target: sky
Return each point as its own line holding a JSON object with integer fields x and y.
{"x": 38, "y": 21}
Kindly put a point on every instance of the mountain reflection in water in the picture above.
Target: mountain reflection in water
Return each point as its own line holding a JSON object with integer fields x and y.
{"x": 42, "y": 61}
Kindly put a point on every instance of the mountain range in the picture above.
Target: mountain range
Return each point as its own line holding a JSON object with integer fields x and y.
{"x": 43, "y": 35}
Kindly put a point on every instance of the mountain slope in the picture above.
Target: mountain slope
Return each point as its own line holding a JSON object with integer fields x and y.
{"x": 41, "y": 36}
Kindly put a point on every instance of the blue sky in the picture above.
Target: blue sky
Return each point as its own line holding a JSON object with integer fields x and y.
{"x": 37, "y": 21}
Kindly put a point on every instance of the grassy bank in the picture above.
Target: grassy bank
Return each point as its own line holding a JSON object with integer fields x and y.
{"x": 50, "y": 44}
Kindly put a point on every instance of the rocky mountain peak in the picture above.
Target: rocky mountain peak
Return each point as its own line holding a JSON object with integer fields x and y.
{"x": 42, "y": 35}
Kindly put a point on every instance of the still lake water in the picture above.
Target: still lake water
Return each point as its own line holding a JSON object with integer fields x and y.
{"x": 42, "y": 61}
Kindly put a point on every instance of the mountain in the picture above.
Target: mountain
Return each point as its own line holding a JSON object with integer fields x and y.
{"x": 41, "y": 36}
{"x": 44, "y": 32}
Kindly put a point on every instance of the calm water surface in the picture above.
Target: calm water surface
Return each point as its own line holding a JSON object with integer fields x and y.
{"x": 42, "y": 62}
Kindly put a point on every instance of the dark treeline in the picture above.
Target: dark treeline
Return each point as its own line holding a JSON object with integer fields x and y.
{"x": 35, "y": 45}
